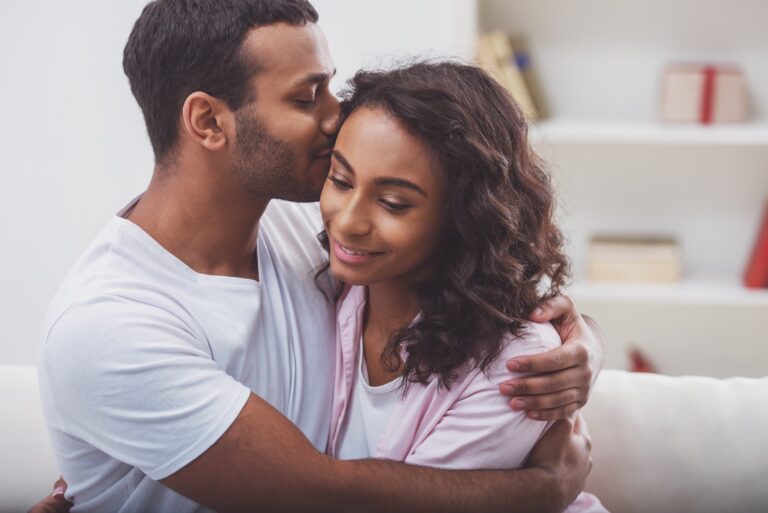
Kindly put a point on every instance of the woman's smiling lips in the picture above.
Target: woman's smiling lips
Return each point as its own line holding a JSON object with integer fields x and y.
{"x": 350, "y": 255}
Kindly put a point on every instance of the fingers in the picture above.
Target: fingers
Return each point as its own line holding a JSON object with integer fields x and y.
{"x": 54, "y": 503}
{"x": 554, "y": 308}
{"x": 580, "y": 428}
{"x": 573, "y": 377}
{"x": 59, "y": 487}
{"x": 51, "y": 505}
{"x": 549, "y": 401}
{"x": 563, "y": 357}
{"x": 559, "y": 413}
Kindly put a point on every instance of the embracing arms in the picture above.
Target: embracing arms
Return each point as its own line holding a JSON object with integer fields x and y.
{"x": 264, "y": 463}
{"x": 293, "y": 476}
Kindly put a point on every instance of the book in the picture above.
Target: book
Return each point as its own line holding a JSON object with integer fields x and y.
{"x": 531, "y": 78}
{"x": 496, "y": 55}
{"x": 626, "y": 258}
{"x": 756, "y": 273}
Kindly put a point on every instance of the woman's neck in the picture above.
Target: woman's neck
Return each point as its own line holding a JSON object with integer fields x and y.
{"x": 389, "y": 307}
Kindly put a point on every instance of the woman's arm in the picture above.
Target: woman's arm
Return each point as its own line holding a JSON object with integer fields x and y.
{"x": 480, "y": 430}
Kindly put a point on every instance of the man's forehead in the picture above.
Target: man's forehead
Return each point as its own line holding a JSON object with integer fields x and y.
{"x": 296, "y": 52}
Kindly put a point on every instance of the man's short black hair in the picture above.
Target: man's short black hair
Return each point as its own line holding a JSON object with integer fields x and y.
{"x": 178, "y": 47}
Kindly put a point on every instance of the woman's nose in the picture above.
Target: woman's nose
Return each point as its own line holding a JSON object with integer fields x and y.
{"x": 352, "y": 220}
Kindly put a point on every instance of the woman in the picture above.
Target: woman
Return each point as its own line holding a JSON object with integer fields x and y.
{"x": 439, "y": 224}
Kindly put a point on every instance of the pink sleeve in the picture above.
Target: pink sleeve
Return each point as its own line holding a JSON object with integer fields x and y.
{"x": 480, "y": 430}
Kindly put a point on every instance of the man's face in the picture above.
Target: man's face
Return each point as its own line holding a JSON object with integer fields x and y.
{"x": 284, "y": 136}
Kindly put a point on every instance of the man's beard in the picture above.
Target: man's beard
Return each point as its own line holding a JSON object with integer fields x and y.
{"x": 265, "y": 165}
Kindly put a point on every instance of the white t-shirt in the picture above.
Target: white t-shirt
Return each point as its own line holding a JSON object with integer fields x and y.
{"x": 370, "y": 409}
{"x": 146, "y": 363}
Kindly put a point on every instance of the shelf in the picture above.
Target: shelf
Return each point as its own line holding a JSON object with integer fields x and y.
{"x": 682, "y": 293}
{"x": 571, "y": 131}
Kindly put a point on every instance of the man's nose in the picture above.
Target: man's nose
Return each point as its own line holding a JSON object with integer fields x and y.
{"x": 330, "y": 122}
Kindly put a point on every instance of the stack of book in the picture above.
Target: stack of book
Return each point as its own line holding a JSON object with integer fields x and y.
{"x": 637, "y": 259}
{"x": 506, "y": 59}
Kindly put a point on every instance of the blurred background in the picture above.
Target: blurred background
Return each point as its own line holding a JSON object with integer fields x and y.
{"x": 652, "y": 117}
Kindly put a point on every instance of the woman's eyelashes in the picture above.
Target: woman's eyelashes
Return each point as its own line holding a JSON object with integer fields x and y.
{"x": 339, "y": 183}
{"x": 392, "y": 206}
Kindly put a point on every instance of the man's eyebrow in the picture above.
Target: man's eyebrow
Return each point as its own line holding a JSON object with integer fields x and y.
{"x": 315, "y": 78}
{"x": 383, "y": 180}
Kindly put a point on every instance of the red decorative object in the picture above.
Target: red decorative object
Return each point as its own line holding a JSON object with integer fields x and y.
{"x": 704, "y": 94}
{"x": 756, "y": 273}
{"x": 639, "y": 362}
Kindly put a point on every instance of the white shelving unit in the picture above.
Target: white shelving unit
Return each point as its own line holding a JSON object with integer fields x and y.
{"x": 702, "y": 293}
{"x": 619, "y": 170}
{"x": 576, "y": 131}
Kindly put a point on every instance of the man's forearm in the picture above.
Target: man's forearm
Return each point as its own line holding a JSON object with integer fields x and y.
{"x": 264, "y": 463}
{"x": 385, "y": 486}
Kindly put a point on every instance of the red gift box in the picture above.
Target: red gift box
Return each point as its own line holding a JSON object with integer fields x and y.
{"x": 704, "y": 94}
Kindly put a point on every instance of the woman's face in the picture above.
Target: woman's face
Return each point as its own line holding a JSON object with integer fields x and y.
{"x": 383, "y": 203}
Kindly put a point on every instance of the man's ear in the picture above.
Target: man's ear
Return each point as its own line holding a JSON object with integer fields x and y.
{"x": 207, "y": 120}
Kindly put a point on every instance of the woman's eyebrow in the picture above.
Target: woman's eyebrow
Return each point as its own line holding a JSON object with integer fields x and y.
{"x": 399, "y": 182}
{"x": 343, "y": 160}
{"x": 382, "y": 180}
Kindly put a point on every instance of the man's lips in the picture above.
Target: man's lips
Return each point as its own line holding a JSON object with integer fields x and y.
{"x": 324, "y": 154}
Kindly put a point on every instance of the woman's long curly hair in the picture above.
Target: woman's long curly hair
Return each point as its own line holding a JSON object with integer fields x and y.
{"x": 501, "y": 252}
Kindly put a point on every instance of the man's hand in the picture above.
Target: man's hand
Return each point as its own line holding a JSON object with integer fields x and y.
{"x": 564, "y": 375}
{"x": 564, "y": 450}
{"x": 55, "y": 502}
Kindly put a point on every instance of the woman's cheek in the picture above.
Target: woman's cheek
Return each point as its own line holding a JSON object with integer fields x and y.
{"x": 326, "y": 202}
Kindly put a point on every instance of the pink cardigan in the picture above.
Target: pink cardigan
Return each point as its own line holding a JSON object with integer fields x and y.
{"x": 469, "y": 426}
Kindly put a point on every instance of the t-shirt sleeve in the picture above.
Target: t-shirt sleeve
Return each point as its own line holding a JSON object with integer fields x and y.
{"x": 137, "y": 383}
{"x": 480, "y": 430}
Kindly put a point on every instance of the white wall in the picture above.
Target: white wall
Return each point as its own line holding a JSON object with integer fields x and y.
{"x": 73, "y": 148}
{"x": 371, "y": 33}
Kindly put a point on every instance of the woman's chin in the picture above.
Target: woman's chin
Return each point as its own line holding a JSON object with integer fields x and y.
{"x": 350, "y": 278}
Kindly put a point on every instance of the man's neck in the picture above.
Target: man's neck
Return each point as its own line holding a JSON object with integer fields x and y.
{"x": 212, "y": 229}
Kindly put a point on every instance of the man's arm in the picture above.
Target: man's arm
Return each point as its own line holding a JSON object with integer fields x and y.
{"x": 145, "y": 376}
{"x": 268, "y": 465}
{"x": 566, "y": 374}
{"x": 264, "y": 463}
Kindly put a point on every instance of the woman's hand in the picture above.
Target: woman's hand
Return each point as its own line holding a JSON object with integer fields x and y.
{"x": 564, "y": 376}
{"x": 55, "y": 502}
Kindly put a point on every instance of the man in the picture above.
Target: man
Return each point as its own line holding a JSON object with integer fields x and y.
{"x": 187, "y": 359}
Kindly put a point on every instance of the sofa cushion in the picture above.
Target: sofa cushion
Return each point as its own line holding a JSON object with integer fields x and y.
{"x": 679, "y": 444}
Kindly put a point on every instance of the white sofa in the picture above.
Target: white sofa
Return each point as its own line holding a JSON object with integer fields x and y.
{"x": 661, "y": 444}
